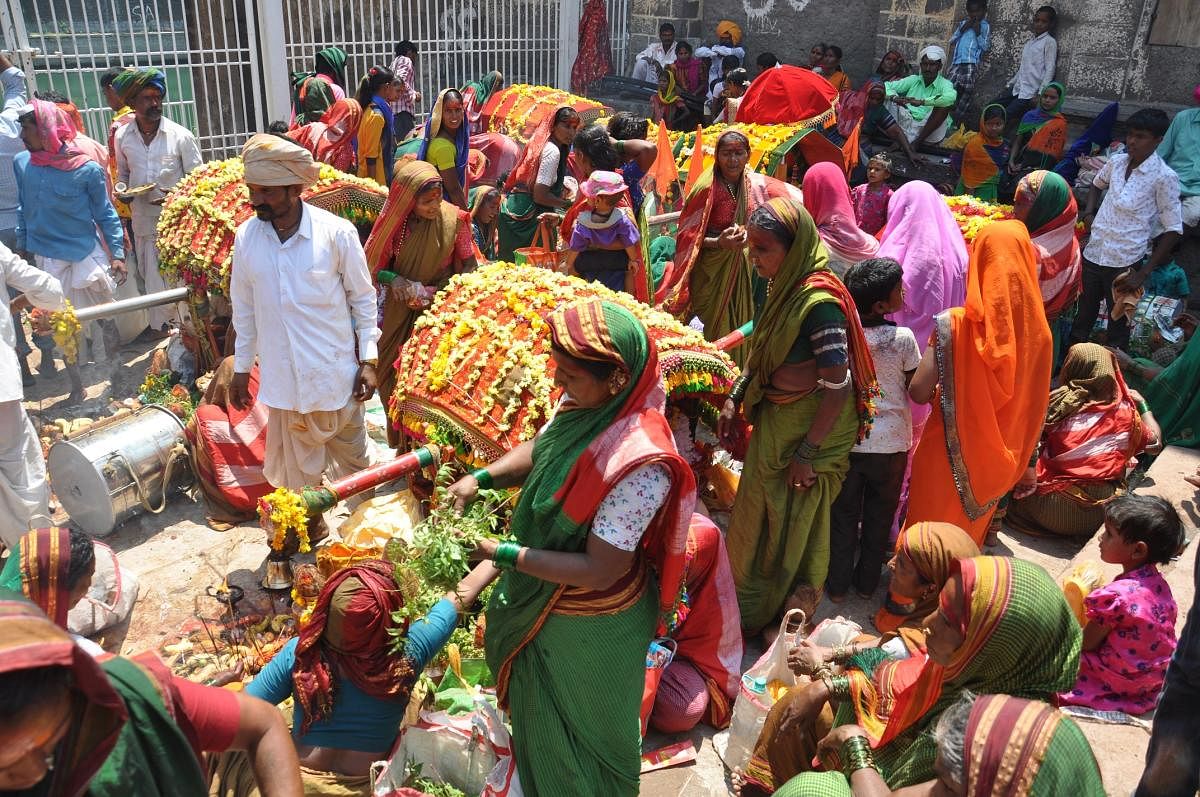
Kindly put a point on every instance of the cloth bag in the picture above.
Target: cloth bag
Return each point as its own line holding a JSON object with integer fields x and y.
{"x": 754, "y": 700}
{"x": 540, "y": 251}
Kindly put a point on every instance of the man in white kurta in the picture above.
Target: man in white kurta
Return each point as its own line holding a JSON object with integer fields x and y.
{"x": 156, "y": 152}
{"x": 302, "y": 299}
{"x": 23, "y": 491}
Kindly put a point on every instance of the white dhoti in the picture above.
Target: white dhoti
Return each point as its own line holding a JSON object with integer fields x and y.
{"x": 646, "y": 71}
{"x": 23, "y": 491}
{"x": 912, "y": 127}
{"x": 145, "y": 244}
{"x": 86, "y": 283}
{"x": 301, "y": 445}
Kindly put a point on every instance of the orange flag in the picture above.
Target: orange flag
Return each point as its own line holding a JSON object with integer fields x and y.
{"x": 696, "y": 165}
{"x": 850, "y": 149}
{"x": 664, "y": 170}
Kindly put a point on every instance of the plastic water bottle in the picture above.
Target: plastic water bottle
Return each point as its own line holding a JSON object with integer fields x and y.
{"x": 745, "y": 725}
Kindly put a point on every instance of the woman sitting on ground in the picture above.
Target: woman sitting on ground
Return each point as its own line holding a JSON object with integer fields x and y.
{"x": 1095, "y": 427}
{"x": 1002, "y": 626}
{"x": 350, "y": 689}
{"x": 925, "y": 555}
{"x": 74, "y": 725}
{"x": 701, "y": 682}
{"x": 987, "y": 746}
{"x": 53, "y": 568}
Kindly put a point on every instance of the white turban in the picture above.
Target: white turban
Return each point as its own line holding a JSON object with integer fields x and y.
{"x": 273, "y": 160}
{"x": 933, "y": 53}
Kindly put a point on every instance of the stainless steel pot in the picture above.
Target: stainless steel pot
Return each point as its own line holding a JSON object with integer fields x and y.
{"x": 117, "y": 468}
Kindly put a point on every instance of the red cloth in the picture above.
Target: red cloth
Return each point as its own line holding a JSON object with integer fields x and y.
{"x": 232, "y": 444}
{"x": 595, "y": 52}
{"x": 58, "y": 136}
{"x": 709, "y": 635}
{"x": 358, "y": 644}
{"x": 786, "y": 95}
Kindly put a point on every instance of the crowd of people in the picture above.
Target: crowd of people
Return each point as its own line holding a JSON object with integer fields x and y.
{"x": 901, "y": 396}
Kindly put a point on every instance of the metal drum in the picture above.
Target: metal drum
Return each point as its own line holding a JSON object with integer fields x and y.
{"x": 116, "y": 468}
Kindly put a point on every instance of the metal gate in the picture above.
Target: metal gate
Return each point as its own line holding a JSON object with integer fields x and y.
{"x": 457, "y": 40}
{"x": 204, "y": 46}
{"x": 227, "y": 61}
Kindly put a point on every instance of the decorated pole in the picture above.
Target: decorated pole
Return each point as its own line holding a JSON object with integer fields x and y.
{"x": 285, "y": 512}
{"x": 735, "y": 338}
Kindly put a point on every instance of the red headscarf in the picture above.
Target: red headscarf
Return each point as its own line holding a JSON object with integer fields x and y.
{"x": 348, "y": 634}
{"x": 331, "y": 140}
{"x": 524, "y": 174}
{"x": 45, "y": 562}
{"x": 58, "y": 134}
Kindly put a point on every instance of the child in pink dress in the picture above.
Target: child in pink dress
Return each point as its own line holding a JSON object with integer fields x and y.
{"x": 871, "y": 198}
{"x": 1130, "y": 633}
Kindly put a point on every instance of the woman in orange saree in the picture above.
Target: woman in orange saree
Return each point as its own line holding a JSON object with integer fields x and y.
{"x": 987, "y": 373}
{"x": 711, "y": 276}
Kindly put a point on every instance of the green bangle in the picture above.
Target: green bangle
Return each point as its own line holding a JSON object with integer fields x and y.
{"x": 838, "y": 686}
{"x": 1142, "y": 407}
{"x": 483, "y": 478}
{"x": 506, "y": 554}
{"x": 856, "y": 755}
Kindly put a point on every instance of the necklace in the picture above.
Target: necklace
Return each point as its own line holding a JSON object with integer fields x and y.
{"x": 287, "y": 232}
{"x": 730, "y": 188}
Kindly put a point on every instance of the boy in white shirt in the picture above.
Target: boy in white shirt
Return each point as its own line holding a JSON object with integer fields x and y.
{"x": 871, "y": 491}
{"x": 1036, "y": 69}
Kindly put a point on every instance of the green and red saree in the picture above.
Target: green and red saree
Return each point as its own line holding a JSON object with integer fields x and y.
{"x": 570, "y": 663}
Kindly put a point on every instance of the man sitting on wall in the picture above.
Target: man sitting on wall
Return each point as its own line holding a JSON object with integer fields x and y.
{"x": 655, "y": 58}
{"x": 922, "y": 102}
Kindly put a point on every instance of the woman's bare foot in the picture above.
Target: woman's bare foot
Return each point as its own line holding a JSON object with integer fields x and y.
{"x": 737, "y": 780}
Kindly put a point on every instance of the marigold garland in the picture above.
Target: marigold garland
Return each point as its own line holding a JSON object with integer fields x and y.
{"x": 204, "y": 210}
{"x": 476, "y": 374}
{"x": 517, "y": 110}
{"x": 286, "y": 511}
{"x": 768, "y": 144}
{"x": 65, "y": 329}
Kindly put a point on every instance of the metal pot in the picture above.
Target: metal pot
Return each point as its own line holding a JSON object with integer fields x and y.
{"x": 116, "y": 469}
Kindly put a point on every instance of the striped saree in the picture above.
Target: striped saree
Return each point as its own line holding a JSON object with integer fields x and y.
{"x": 1020, "y": 638}
{"x": 570, "y": 663}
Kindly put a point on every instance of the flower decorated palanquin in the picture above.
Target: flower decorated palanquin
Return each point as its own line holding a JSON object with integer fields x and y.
{"x": 973, "y": 214}
{"x": 769, "y": 145}
{"x": 203, "y": 211}
{"x": 517, "y": 110}
{"x": 477, "y": 372}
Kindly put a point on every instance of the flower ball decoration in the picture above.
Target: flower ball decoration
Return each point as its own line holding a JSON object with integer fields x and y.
{"x": 477, "y": 372}
{"x": 203, "y": 211}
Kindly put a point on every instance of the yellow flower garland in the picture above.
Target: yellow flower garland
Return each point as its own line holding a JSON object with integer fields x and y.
{"x": 286, "y": 511}
{"x": 65, "y": 329}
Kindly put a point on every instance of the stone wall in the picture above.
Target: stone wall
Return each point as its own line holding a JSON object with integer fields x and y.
{"x": 1103, "y": 54}
{"x": 646, "y": 15}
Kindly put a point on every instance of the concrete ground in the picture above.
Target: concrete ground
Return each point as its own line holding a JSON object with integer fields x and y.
{"x": 176, "y": 557}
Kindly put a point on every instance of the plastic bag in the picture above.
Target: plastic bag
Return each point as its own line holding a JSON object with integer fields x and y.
{"x": 754, "y": 699}
{"x": 658, "y": 658}
{"x": 472, "y": 752}
{"x": 109, "y": 600}
{"x": 958, "y": 139}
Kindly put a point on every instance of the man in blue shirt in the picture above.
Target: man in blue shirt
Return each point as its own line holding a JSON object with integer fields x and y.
{"x": 1181, "y": 150}
{"x": 970, "y": 41}
{"x": 64, "y": 201}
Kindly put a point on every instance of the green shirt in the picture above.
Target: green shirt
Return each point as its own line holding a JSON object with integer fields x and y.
{"x": 940, "y": 94}
{"x": 1180, "y": 148}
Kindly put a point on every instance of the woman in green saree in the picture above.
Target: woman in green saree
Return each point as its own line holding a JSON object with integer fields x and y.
{"x": 807, "y": 389}
{"x": 1173, "y": 393}
{"x": 711, "y": 276}
{"x": 121, "y": 728}
{"x": 1001, "y": 626}
{"x": 987, "y": 746}
{"x": 535, "y": 185}
{"x": 598, "y": 561}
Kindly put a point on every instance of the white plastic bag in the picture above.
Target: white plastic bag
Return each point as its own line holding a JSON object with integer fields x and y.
{"x": 754, "y": 702}
{"x": 110, "y": 598}
{"x": 467, "y": 751}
